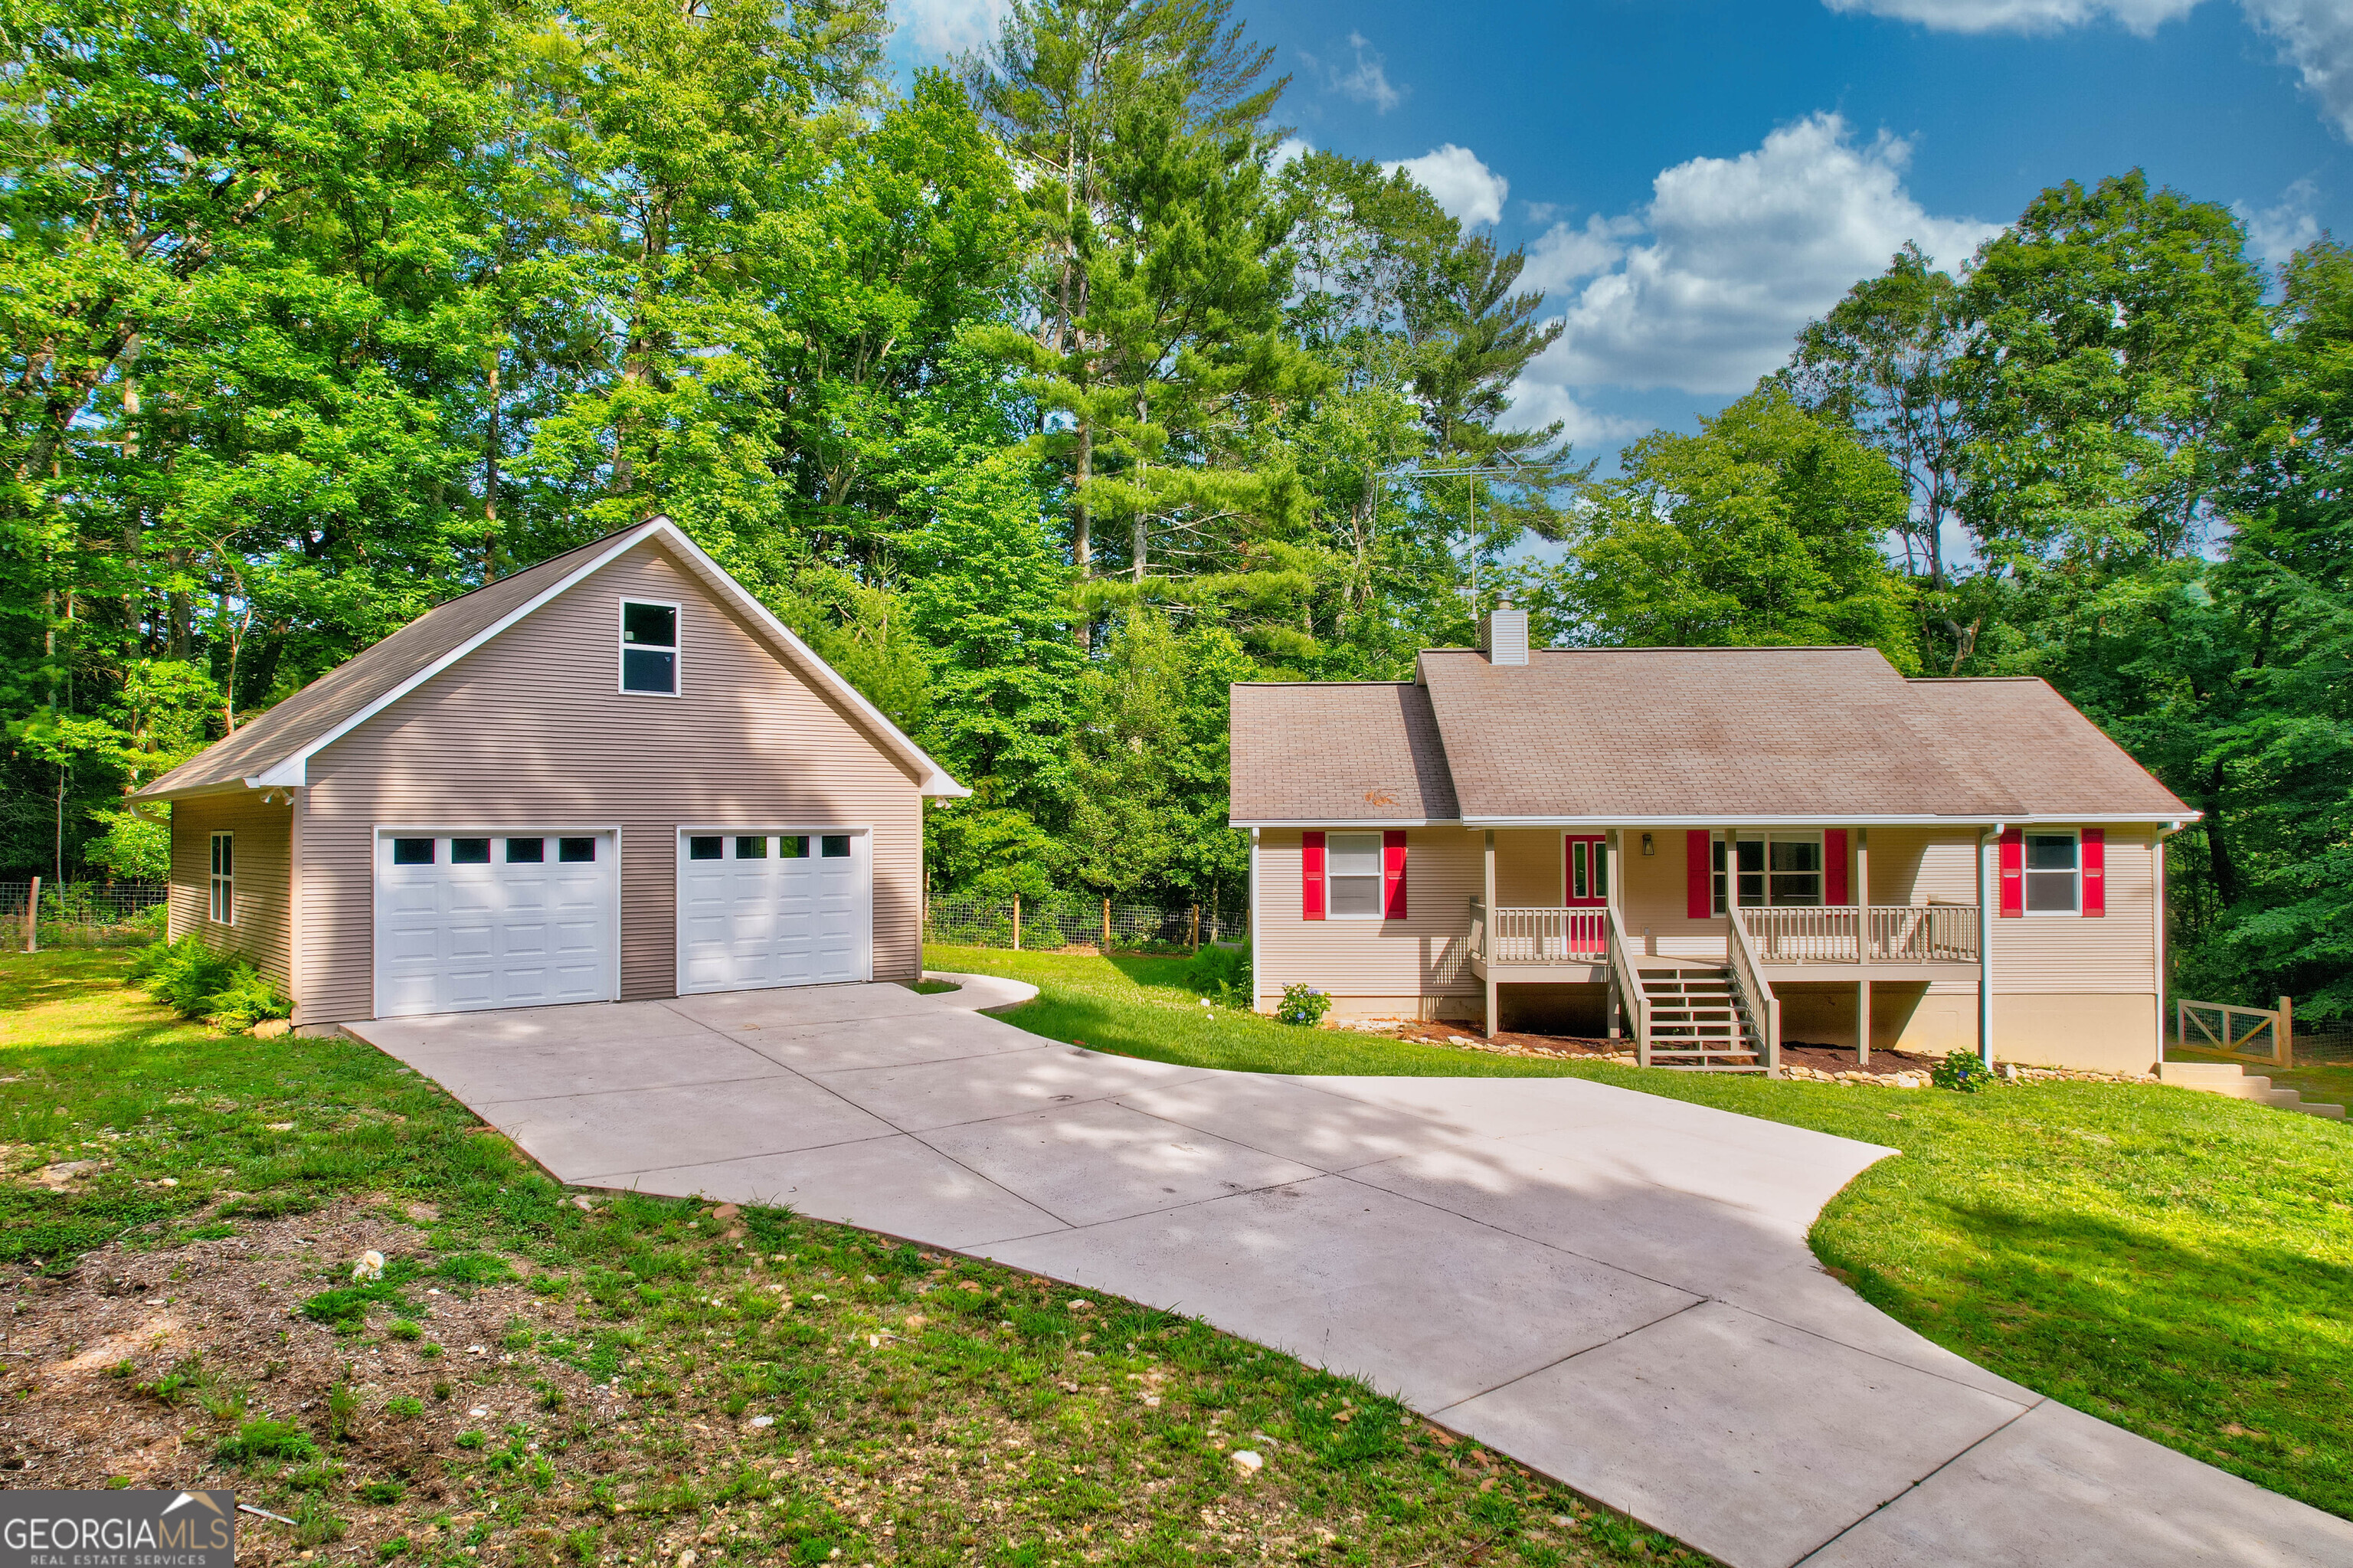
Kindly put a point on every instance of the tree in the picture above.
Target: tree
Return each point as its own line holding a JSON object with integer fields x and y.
{"x": 1763, "y": 529}
{"x": 1885, "y": 363}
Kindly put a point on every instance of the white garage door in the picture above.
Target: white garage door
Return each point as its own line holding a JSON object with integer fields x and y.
{"x": 769, "y": 906}
{"x": 493, "y": 919}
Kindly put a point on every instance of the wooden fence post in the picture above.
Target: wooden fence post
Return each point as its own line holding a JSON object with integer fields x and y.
{"x": 1106, "y": 943}
{"x": 1197, "y": 928}
{"x": 1017, "y": 922}
{"x": 2283, "y": 1033}
{"x": 33, "y": 917}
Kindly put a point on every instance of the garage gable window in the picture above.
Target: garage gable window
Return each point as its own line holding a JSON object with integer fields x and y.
{"x": 224, "y": 880}
{"x": 649, "y": 647}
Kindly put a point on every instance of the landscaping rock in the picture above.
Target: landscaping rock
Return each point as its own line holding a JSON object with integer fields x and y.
{"x": 272, "y": 1028}
{"x": 1247, "y": 1461}
{"x": 369, "y": 1268}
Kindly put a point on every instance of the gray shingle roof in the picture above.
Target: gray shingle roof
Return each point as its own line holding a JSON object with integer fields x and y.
{"x": 1375, "y": 754}
{"x": 1728, "y": 734}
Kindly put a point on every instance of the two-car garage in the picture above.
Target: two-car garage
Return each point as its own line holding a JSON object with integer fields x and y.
{"x": 474, "y": 918}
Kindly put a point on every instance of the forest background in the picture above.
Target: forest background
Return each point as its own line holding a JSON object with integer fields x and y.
{"x": 1047, "y": 397}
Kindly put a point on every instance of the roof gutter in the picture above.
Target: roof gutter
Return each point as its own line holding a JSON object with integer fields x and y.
{"x": 1826, "y": 819}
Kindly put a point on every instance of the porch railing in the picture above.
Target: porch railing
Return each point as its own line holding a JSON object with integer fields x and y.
{"x": 1754, "y": 996}
{"x": 1832, "y": 933}
{"x": 1627, "y": 983}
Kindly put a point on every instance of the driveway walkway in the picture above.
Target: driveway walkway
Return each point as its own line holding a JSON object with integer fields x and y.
{"x": 1610, "y": 1286}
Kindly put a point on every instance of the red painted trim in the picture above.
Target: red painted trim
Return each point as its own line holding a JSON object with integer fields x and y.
{"x": 2096, "y": 871}
{"x": 1835, "y": 886}
{"x": 1310, "y": 876}
{"x": 1699, "y": 874}
{"x": 2013, "y": 873}
{"x": 1392, "y": 873}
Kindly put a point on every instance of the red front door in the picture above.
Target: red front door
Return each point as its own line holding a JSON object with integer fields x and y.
{"x": 1585, "y": 870}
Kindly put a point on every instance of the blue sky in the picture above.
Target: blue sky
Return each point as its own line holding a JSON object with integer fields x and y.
{"x": 1693, "y": 181}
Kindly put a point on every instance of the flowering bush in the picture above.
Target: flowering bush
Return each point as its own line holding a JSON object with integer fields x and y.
{"x": 1962, "y": 1072}
{"x": 1302, "y": 1004}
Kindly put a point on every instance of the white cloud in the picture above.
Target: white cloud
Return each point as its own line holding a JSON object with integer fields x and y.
{"x": 2279, "y": 232}
{"x": 2316, "y": 37}
{"x": 1468, "y": 189}
{"x": 1370, "y": 82}
{"x": 1740, "y": 254}
{"x": 1536, "y": 404}
{"x": 1290, "y": 151}
{"x": 948, "y": 26}
{"x": 2142, "y": 16}
{"x": 1562, "y": 254}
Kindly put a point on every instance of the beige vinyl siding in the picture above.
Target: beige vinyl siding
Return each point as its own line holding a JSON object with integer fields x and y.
{"x": 532, "y": 732}
{"x": 261, "y": 859}
{"x": 1395, "y": 962}
{"x": 1920, "y": 865}
{"x": 1653, "y": 899}
{"x": 1528, "y": 866}
{"x": 2077, "y": 953}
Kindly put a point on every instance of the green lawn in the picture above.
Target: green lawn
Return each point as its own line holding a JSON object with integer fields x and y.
{"x": 2178, "y": 1263}
{"x": 544, "y": 1376}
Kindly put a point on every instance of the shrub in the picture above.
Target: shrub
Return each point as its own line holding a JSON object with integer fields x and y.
{"x": 245, "y": 1000}
{"x": 1302, "y": 1004}
{"x": 1962, "y": 1072}
{"x": 197, "y": 983}
{"x": 1222, "y": 973}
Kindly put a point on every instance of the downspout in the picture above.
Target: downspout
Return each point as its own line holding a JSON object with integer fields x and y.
{"x": 1985, "y": 946}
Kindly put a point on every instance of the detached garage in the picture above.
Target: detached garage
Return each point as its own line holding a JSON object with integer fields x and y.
{"x": 612, "y": 777}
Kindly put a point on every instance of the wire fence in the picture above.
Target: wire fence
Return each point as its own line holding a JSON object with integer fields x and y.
{"x": 84, "y": 913}
{"x": 1077, "y": 922}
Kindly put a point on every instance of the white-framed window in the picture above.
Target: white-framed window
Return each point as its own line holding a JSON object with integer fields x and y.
{"x": 223, "y": 908}
{"x": 1352, "y": 870}
{"x": 649, "y": 647}
{"x": 1774, "y": 868}
{"x": 2054, "y": 873}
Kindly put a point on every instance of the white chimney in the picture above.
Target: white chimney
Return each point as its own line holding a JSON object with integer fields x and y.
{"x": 1503, "y": 634}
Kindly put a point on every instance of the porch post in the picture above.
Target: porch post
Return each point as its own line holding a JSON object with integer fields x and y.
{"x": 1731, "y": 885}
{"x": 1863, "y": 946}
{"x": 1613, "y": 908}
{"x": 1490, "y": 885}
{"x": 1985, "y": 841}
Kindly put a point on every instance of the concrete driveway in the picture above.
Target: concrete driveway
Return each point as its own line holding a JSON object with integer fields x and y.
{"x": 1612, "y": 1288}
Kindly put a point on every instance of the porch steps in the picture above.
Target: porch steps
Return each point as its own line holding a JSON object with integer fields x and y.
{"x": 1695, "y": 1021}
{"x": 2234, "y": 1082}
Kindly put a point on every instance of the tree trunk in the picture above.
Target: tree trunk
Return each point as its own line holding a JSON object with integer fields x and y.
{"x": 2217, "y": 849}
{"x": 491, "y": 480}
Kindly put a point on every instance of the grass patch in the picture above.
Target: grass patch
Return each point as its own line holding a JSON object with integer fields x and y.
{"x": 2177, "y": 1263}
{"x": 930, "y": 987}
{"x": 628, "y": 1381}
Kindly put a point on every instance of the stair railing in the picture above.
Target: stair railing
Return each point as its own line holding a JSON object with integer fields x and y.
{"x": 1629, "y": 988}
{"x": 1756, "y": 998}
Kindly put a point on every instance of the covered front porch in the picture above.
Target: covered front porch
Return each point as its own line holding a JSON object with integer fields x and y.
{"x": 1697, "y": 938}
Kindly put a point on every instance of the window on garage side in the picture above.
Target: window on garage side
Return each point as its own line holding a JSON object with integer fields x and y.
{"x": 649, "y": 647}
{"x": 224, "y": 879}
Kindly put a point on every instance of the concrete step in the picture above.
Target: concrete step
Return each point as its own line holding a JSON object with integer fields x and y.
{"x": 2196, "y": 1075}
{"x": 2233, "y": 1082}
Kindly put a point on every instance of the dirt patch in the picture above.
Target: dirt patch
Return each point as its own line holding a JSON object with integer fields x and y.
{"x": 136, "y": 1368}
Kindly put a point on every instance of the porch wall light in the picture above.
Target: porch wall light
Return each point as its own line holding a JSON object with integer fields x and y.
{"x": 1650, "y": 844}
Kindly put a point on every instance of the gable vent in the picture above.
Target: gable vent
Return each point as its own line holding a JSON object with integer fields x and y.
{"x": 1503, "y": 634}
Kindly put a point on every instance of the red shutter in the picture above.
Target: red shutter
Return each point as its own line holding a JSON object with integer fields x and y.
{"x": 1310, "y": 876}
{"x": 1393, "y": 874}
{"x": 2013, "y": 873}
{"x": 2096, "y": 871}
{"x": 1699, "y": 875}
{"x": 1834, "y": 882}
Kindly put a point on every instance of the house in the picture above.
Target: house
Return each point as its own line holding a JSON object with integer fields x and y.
{"x": 1708, "y": 851}
{"x": 612, "y": 776}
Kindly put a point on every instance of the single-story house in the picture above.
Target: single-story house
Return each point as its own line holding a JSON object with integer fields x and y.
{"x": 612, "y": 776}
{"x": 1708, "y": 851}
